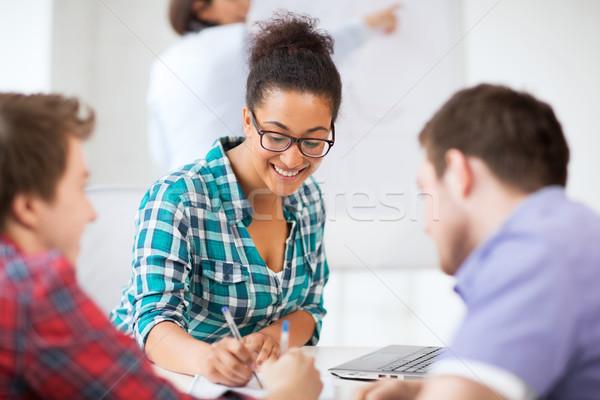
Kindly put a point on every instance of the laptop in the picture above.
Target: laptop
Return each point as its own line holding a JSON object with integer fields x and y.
{"x": 395, "y": 361}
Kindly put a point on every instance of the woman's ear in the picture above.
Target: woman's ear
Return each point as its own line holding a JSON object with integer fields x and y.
{"x": 247, "y": 122}
{"x": 458, "y": 175}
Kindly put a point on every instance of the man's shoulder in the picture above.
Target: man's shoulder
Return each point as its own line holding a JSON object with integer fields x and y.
{"x": 548, "y": 242}
{"x": 32, "y": 273}
{"x": 566, "y": 230}
{"x": 549, "y": 210}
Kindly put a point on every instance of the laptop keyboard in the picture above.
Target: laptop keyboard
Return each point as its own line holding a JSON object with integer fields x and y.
{"x": 417, "y": 362}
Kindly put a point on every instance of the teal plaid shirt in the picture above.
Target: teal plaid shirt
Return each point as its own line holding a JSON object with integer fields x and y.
{"x": 193, "y": 255}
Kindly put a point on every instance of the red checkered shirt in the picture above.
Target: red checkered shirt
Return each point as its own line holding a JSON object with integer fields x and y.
{"x": 56, "y": 344}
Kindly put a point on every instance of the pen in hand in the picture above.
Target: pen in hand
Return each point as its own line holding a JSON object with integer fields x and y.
{"x": 236, "y": 334}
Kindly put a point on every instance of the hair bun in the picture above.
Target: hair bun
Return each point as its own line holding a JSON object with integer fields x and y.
{"x": 289, "y": 33}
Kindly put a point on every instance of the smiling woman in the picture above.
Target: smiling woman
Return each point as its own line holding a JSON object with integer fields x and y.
{"x": 283, "y": 161}
{"x": 242, "y": 228}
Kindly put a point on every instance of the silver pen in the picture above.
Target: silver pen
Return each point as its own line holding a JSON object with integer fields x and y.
{"x": 236, "y": 334}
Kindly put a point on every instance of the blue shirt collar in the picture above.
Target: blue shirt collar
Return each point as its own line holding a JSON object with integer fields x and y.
{"x": 467, "y": 272}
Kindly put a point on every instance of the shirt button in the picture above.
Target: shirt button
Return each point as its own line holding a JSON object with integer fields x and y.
{"x": 226, "y": 277}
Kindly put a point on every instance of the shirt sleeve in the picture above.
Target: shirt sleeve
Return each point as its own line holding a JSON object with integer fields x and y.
{"x": 509, "y": 386}
{"x": 73, "y": 352}
{"x": 162, "y": 262}
{"x": 522, "y": 320}
{"x": 348, "y": 37}
{"x": 196, "y": 92}
{"x": 313, "y": 303}
{"x": 181, "y": 127}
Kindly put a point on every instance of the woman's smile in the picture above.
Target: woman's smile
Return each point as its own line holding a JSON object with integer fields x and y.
{"x": 287, "y": 174}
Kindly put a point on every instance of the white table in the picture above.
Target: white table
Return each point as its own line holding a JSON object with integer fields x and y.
{"x": 325, "y": 358}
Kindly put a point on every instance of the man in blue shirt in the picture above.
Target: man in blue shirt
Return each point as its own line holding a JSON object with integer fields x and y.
{"x": 525, "y": 258}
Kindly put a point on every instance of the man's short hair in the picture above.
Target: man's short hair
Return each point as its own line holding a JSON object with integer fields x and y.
{"x": 516, "y": 135}
{"x": 34, "y": 145}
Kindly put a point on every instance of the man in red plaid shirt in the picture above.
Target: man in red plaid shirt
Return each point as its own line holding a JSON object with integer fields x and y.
{"x": 55, "y": 343}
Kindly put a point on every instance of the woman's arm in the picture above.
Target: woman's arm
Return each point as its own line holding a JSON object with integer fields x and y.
{"x": 302, "y": 327}
{"x": 265, "y": 343}
{"x": 226, "y": 361}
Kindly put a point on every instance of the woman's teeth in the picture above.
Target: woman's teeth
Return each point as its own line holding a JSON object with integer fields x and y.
{"x": 286, "y": 173}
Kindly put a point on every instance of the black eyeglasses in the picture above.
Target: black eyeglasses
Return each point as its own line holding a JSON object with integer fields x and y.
{"x": 279, "y": 142}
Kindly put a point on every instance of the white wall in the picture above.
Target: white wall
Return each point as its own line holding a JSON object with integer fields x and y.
{"x": 102, "y": 51}
{"x": 392, "y": 84}
{"x": 549, "y": 48}
{"x": 25, "y": 45}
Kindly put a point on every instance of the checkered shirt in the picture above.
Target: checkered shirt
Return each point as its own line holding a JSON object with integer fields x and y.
{"x": 55, "y": 343}
{"x": 193, "y": 254}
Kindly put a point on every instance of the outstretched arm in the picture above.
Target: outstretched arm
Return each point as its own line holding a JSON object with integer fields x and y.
{"x": 385, "y": 20}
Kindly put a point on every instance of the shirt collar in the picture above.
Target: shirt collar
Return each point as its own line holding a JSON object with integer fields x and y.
{"x": 9, "y": 247}
{"x": 5, "y": 239}
{"x": 467, "y": 272}
{"x": 234, "y": 201}
{"x": 293, "y": 202}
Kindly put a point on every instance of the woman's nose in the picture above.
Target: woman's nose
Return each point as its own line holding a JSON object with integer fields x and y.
{"x": 292, "y": 157}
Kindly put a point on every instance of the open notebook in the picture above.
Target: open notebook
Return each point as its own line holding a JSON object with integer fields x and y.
{"x": 202, "y": 387}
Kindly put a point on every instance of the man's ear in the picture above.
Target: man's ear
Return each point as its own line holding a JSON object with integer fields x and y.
{"x": 458, "y": 175}
{"x": 25, "y": 210}
{"x": 248, "y": 128}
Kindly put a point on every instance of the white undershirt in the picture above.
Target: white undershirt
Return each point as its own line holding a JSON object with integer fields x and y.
{"x": 279, "y": 275}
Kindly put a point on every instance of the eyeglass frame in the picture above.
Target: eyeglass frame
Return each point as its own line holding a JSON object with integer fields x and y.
{"x": 293, "y": 140}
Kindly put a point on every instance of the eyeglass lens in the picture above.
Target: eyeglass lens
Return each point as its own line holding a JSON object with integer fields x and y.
{"x": 278, "y": 142}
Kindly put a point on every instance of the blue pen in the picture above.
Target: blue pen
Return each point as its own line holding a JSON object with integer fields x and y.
{"x": 284, "y": 339}
{"x": 236, "y": 334}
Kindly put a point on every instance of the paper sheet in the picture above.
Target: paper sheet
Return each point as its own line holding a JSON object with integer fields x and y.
{"x": 202, "y": 387}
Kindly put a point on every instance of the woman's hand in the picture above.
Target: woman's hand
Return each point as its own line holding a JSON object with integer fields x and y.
{"x": 385, "y": 19}
{"x": 263, "y": 345}
{"x": 227, "y": 362}
{"x": 292, "y": 377}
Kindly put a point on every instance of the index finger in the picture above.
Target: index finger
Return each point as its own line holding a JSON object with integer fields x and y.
{"x": 269, "y": 349}
{"x": 239, "y": 350}
{"x": 252, "y": 344}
